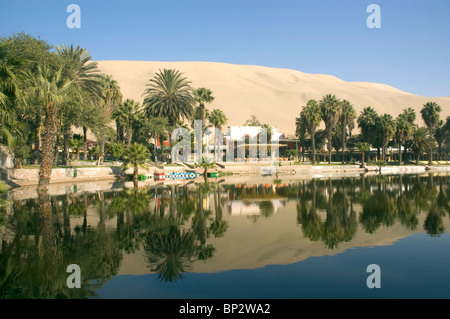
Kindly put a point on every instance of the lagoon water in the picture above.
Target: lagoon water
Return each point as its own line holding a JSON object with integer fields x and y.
{"x": 234, "y": 238}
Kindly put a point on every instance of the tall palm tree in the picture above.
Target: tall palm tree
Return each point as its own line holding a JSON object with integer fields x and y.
{"x": 421, "y": 142}
{"x": 439, "y": 135}
{"x": 51, "y": 88}
{"x": 127, "y": 114}
{"x": 217, "y": 118}
{"x": 367, "y": 123}
{"x": 387, "y": 127}
{"x": 347, "y": 118}
{"x": 169, "y": 95}
{"x": 331, "y": 108}
{"x": 87, "y": 87}
{"x": 202, "y": 96}
{"x": 310, "y": 117}
{"x": 9, "y": 92}
{"x": 409, "y": 114}
{"x": 403, "y": 133}
{"x": 430, "y": 115}
{"x": 110, "y": 101}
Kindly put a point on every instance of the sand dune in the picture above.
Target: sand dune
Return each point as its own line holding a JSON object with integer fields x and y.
{"x": 275, "y": 96}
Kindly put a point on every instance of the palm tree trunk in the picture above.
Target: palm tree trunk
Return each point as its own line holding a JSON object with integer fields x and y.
{"x": 313, "y": 140}
{"x": 343, "y": 142}
{"x": 48, "y": 143}
{"x": 129, "y": 134}
{"x": 399, "y": 154}
{"x": 37, "y": 153}
{"x": 66, "y": 141}
{"x": 56, "y": 154}
{"x": 329, "y": 146}
{"x": 102, "y": 153}
{"x": 135, "y": 172}
{"x": 202, "y": 115}
{"x": 85, "y": 143}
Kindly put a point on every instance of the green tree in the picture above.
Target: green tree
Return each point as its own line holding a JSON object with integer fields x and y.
{"x": 9, "y": 92}
{"x": 169, "y": 95}
{"x": 347, "y": 118}
{"x": 217, "y": 118}
{"x": 422, "y": 142}
{"x": 367, "y": 122}
{"x": 253, "y": 121}
{"x": 387, "y": 127}
{"x": 310, "y": 118}
{"x": 51, "y": 89}
{"x": 440, "y": 133}
{"x": 76, "y": 143}
{"x": 135, "y": 156}
{"x": 127, "y": 115}
{"x": 202, "y": 96}
{"x": 110, "y": 101}
{"x": 117, "y": 149}
{"x": 331, "y": 109}
{"x": 363, "y": 147}
{"x": 87, "y": 84}
{"x": 403, "y": 133}
{"x": 430, "y": 115}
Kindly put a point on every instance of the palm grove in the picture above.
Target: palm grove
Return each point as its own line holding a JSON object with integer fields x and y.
{"x": 378, "y": 131}
{"x": 46, "y": 91}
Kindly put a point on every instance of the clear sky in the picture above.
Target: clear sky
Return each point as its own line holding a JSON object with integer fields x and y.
{"x": 411, "y": 50}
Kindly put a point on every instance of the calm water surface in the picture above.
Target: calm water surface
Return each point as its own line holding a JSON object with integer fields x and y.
{"x": 261, "y": 238}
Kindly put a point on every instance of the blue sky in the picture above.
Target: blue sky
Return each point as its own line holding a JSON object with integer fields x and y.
{"x": 411, "y": 50}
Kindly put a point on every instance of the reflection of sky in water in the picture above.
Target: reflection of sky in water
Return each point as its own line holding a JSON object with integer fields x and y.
{"x": 265, "y": 239}
{"x": 414, "y": 267}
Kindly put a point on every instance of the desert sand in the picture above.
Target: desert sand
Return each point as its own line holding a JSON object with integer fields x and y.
{"x": 275, "y": 96}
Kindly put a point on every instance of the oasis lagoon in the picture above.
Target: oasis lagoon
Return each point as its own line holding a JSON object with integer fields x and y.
{"x": 258, "y": 238}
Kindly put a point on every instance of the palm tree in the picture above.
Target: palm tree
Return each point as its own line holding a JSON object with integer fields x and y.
{"x": 421, "y": 142}
{"x": 206, "y": 164}
{"x": 310, "y": 117}
{"x": 363, "y": 147}
{"x": 51, "y": 88}
{"x": 403, "y": 133}
{"x": 439, "y": 135}
{"x": 217, "y": 118}
{"x": 157, "y": 127}
{"x": 430, "y": 115}
{"x": 387, "y": 129}
{"x": 169, "y": 95}
{"x": 409, "y": 114}
{"x": 330, "y": 106}
{"x": 253, "y": 121}
{"x": 9, "y": 92}
{"x": 347, "y": 118}
{"x": 76, "y": 143}
{"x": 110, "y": 101}
{"x": 367, "y": 123}
{"x": 87, "y": 84}
{"x": 135, "y": 155}
{"x": 127, "y": 114}
{"x": 202, "y": 96}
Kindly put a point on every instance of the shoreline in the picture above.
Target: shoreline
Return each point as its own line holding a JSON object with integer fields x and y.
{"x": 89, "y": 182}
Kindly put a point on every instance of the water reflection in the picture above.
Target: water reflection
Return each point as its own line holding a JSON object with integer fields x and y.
{"x": 176, "y": 226}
